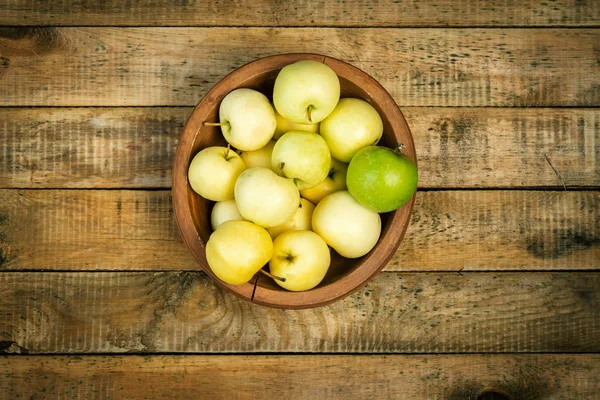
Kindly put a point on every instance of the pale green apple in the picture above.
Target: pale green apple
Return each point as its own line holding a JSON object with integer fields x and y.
{"x": 306, "y": 91}
{"x": 335, "y": 181}
{"x": 213, "y": 173}
{"x": 347, "y": 226}
{"x": 302, "y": 258}
{"x": 285, "y": 125}
{"x": 260, "y": 157}
{"x": 303, "y": 157}
{"x": 247, "y": 119}
{"x": 382, "y": 179}
{"x": 353, "y": 124}
{"x": 237, "y": 250}
{"x": 224, "y": 211}
{"x": 266, "y": 198}
{"x": 300, "y": 221}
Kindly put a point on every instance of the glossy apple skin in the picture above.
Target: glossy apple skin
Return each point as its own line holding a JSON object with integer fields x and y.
{"x": 334, "y": 182}
{"x": 266, "y": 198}
{"x": 213, "y": 173}
{"x": 224, "y": 211}
{"x": 248, "y": 118}
{"x": 260, "y": 157}
{"x": 284, "y": 125}
{"x": 302, "y": 220}
{"x": 352, "y": 125}
{"x": 301, "y": 257}
{"x": 347, "y": 226}
{"x": 305, "y": 84}
{"x": 237, "y": 250}
{"x": 381, "y": 179}
{"x": 305, "y": 158}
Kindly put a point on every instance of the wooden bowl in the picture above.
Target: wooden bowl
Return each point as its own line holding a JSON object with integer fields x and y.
{"x": 193, "y": 212}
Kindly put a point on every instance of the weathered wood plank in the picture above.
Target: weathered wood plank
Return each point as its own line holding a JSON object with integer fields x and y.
{"x": 302, "y": 13}
{"x": 416, "y": 377}
{"x": 396, "y": 313}
{"x": 420, "y": 67}
{"x": 136, "y": 230}
{"x": 457, "y": 147}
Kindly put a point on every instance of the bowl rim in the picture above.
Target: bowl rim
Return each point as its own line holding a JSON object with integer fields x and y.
{"x": 367, "y": 267}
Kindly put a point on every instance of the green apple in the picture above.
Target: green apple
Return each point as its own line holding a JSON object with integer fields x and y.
{"x": 302, "y": 258}
{"x": 247, "y": 119}
{"x": 213, "y": 173}
{"x": 335, "y": 181}
{"x": 237, "y": 250}
{"x": 303, "y": 157}
{"x": 381, "y": 179}
{"x": 285, "y": 125}
{"x": 266, "y": 198}
{"x": 347, "y": 226}
{"x": 306, "y": 91}
{"x": 224, "y": 211}
{"x": 353, "y": 124}
{"x": 300, "y": 221}
{"x": 260, "y": 157}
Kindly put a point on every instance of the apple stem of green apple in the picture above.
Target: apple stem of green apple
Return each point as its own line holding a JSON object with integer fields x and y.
{"x": 399, "y": 148}
{"x": 216, "y": 124}
{"x": 308, "y": 111}
{"x": 281, "y": 166}
{"x": 270, "y": 275}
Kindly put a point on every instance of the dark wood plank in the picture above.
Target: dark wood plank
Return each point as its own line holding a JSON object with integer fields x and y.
{"x": 420, "y": 67}
{"x": 302, "y": 13}
{"x": 418, "y": 377}
{"x": 396, "y": 313}
{"x": 456, "y": 147}
{"x": 136, "y": 230}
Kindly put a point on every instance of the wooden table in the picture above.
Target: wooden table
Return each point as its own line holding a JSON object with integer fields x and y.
{"x": 495, "y": 287}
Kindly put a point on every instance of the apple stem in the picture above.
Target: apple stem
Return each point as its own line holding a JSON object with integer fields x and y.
{"x": 281, "y": 168}
{"x": 227, "y": 150}
{"x": 308, "y": 110}
{"x": 270, "y": 275}
{"x": 215, "y": 124}
{"x": 399, "y": 148}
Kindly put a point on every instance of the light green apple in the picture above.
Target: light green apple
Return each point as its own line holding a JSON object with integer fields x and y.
{"x": 353, "y": 124}
{"x": 260, "y": 157}
{"x": 266, "y": 198}
{"x": 347, "y": 226}
{"x": 301, "y": 258}
{"x": 303, "y": 157}
{"x": 381, "y": 179}
{"x": 213, "y": 173}
{"x": 247, "y": 119}
{"x": 300, "y": 221}
{"x": 306, "y": 91}
{"x": 237, "y": 250}
{"x": 224, "y": 211}
{"x": 335, "y": 181}
{"x": 284, "y": 125}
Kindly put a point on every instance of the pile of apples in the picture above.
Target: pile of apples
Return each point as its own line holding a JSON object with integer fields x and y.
{"x": 287, "y": 193}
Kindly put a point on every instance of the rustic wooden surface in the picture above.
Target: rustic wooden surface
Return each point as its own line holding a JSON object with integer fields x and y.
{"x": 499, "y": 268}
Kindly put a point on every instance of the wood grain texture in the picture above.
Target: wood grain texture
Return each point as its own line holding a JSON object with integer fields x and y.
{"x": 396, "y": 313}
{"x": 136, "y": 230}
{"x": 456, "y": 147}
{"x": 415, "y": 377}
{"x": 419, "y": 67}
{"x": 302, "y": 13}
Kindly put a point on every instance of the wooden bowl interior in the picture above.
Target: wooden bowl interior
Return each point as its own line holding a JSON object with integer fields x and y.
{"x": 268, "y": 293}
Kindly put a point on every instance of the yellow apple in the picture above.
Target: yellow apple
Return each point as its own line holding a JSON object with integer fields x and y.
{"x": 213, "y": 173}
{"x": 302, "y": 258}
{"x": 284, "y": 125}
{"x": 300, "y": 221}
{"x": 266, "y": 198}
{"x": 237, "y": 250}
{"x": 224, "y": 211}
{"x": 335, "y": 181}
{"x": 353, "y": 124}
{"x": 347, "y": 226}
{"x": 260, "y": 157}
